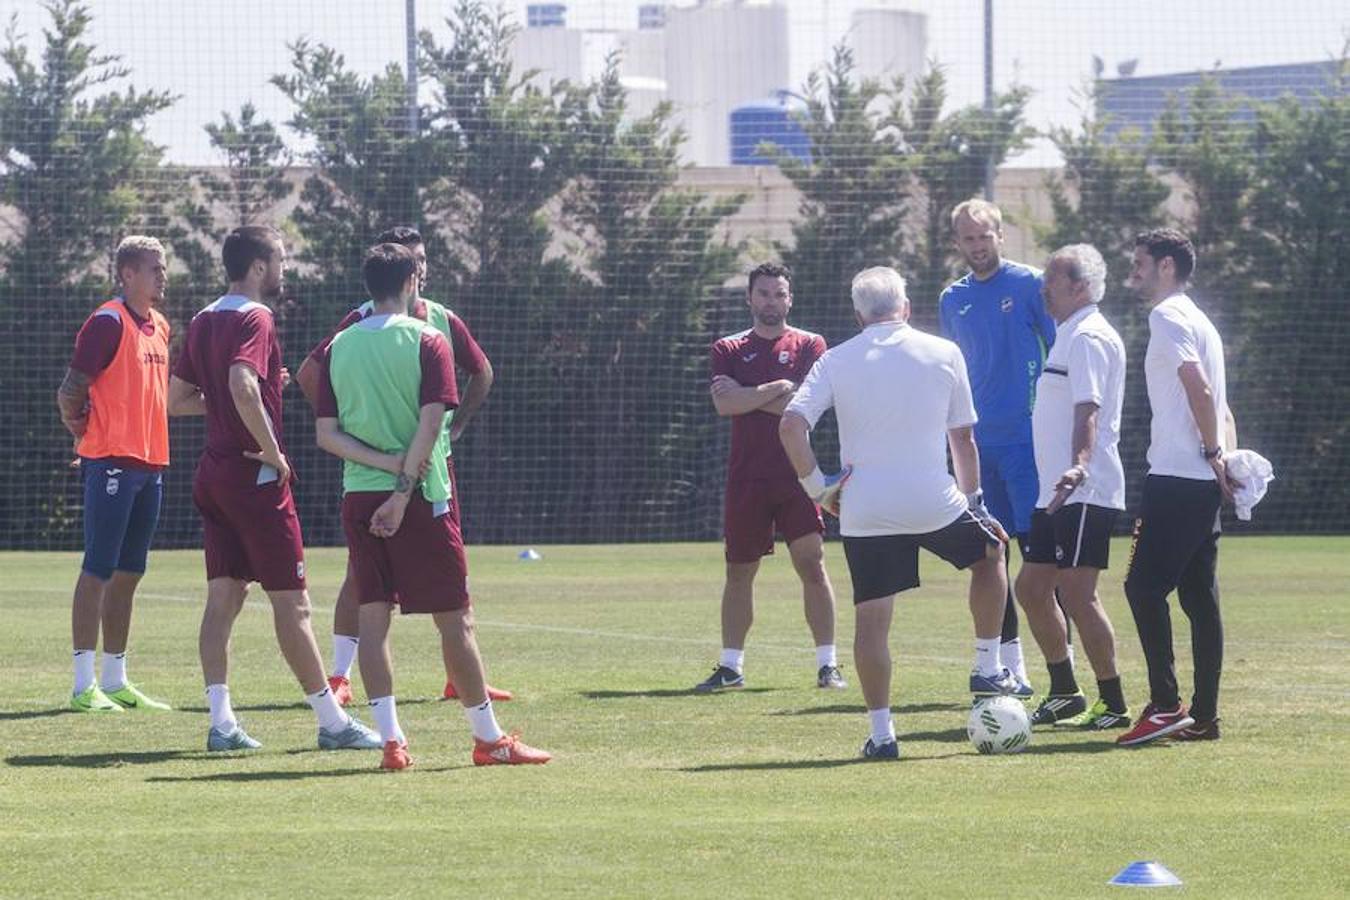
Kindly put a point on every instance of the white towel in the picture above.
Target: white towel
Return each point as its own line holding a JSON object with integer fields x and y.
{"x": 1253, "y": 473}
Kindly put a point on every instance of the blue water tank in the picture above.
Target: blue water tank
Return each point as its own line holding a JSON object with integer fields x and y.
{"x": 773, "y": 121}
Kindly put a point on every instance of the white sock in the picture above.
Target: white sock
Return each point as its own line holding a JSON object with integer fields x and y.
{"x": 113, "y": 672}
{"x": 883, "y": 729}
{"x": 986, "y": 656}
{"x": 1010, "y": 656}
{"x": 483, "y": 721}
{"x": 344, "y": 653}
{"x": 1071, "y": 654}
{"x": 222, "y": 713}
{"x": 385, "y": 711}
{"x": 826, "y": 656}
{"x": 325, "y": 706}
{"x": 732, "y": 659}
{"x": 84, "y": 671}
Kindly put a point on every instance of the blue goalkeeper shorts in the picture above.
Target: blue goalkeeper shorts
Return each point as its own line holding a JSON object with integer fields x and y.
{"x": 121, "y": 510}
{"x": 1008, "y": 478}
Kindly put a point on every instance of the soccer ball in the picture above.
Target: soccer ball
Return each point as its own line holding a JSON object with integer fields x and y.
{"x": 999, "y": 725}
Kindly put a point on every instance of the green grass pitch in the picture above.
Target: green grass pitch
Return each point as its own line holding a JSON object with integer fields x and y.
{"x": 657, "y": 793}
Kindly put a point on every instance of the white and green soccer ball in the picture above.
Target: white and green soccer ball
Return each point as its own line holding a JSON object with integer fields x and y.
{"x": 999, "y": 725}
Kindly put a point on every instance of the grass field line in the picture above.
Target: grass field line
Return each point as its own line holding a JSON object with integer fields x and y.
{"x": 551, "y": 629}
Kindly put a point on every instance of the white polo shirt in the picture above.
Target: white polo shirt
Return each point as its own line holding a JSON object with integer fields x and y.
{"x": 895, "y": 392}
{"x": 1086, "y": 365}
{"x": 1178, "y": 332}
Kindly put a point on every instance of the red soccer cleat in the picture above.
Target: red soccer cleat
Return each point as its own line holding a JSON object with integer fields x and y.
{"x": 341, "y": 687}
{"x": 396, "y": 756}
{"x": 507, "y": 751}
{"x": 1154, "y": 724}
{"x": 492, "y": 692}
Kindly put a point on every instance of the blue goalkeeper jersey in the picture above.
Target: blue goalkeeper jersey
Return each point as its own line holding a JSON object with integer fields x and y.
{"x": 1004, "y": 333}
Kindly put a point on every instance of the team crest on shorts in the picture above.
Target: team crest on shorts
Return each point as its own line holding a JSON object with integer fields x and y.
{"x": 111, "y": 487}
{"x": 1006, "y": 304}
{"x": 1059, "y": 553}
{"x": 300, "y": 569}
{"x": 783, "y": 357}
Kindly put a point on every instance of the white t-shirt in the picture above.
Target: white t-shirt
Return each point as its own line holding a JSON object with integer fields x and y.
{"x": 1086, "y": 365}
{"x": 1178, "y": 332}
{"x": 895, "y": 392}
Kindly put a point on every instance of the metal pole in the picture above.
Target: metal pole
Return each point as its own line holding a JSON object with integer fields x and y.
{"x": 989, "y": 91}
{"x": 410, "y": 25}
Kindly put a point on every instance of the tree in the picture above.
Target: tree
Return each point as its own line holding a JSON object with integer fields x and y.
{"x": 1291, "y": 394}
{"x": 507, "y": 149}
{"x": 369, "y": 167}
{"x": 630, "y": 339}
{"x": 254, "y": 160}
{"x": 854, "y": 190}
{"x": 73, "y": 157}
{"x": 1208, "y": 145}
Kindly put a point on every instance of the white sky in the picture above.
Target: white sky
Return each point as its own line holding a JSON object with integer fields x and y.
{"x": 218, "y": 54}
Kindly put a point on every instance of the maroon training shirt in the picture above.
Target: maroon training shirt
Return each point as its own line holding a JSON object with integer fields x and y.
{"x": 756, "y": 452}
{"x": 233, "y": 330}
{"x": 467, "y": 354}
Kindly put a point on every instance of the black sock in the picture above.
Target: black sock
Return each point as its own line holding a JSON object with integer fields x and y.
{"x": 1061, "y": 678}
{"x": 1109, "y": 690}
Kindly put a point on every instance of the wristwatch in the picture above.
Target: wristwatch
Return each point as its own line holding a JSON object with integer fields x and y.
{"x": 1211, "y": 453}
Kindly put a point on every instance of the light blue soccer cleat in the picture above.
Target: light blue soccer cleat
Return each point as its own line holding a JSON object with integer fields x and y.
{"x": 218, "y": 741}
{"x": 353, "y": 737}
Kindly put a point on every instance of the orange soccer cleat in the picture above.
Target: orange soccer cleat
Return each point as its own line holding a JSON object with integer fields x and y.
{"x": 492, "y": 692}
{"x": 507, "y": 751}
{"x": 341, "y": 687}
{"x": 396, "y": 756}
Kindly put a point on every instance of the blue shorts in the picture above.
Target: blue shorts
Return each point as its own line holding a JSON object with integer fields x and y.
{"x": 1011, "y": 485}
{"x": 121, "y": 509}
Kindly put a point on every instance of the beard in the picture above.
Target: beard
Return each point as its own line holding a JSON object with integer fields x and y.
{"x": 772, "y": 318}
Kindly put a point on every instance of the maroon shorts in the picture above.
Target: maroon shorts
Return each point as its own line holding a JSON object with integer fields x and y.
{"x": 755, "y": 509}
{"x": 249, "y": 531}
{"x": 421, "y": 568}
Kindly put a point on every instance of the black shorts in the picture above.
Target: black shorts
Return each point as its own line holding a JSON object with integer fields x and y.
{"x": 889, "y": 563}
{"x": 1078, "y": 534}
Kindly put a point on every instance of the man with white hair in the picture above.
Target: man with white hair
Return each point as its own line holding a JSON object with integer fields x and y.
{"x": 1076, "y": 424}
{"x": 902, "y": 398}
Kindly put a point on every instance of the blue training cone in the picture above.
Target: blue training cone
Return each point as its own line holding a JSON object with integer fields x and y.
{"x": 531, "y": 554}
{"x": 1145, "y": 874}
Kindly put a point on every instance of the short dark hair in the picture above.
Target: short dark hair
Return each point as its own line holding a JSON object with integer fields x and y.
{"x": 769, "y": 270}
{"x": 406, "y": 235}
{"x": 387, "y": 268}
{"x": 1164, "y": 243}
{"x": 246, "y": 245}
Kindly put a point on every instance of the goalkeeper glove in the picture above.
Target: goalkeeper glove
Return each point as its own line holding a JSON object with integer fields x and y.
{"x": 975, "y": 503}
{"x": 824, "y": 489}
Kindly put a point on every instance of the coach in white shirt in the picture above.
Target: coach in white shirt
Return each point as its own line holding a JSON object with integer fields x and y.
{"x": 1176, "y": 538}
{"x": 1076, "y": 431}
{"x": 901, "y": 397}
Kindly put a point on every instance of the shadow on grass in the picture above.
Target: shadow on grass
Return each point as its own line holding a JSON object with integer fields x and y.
{"x": 804, "y": 764}
{"x": 299, "y": 704}
{"x": 102, "y": 760}
{"x": 245, "y": 777}
{"x": 859, "y": 709}
{"x": 1099, "y": 746}
{"x": 15, "y": 715}
{"x": 665, "y": 692}
{"x": 945, "y": 736}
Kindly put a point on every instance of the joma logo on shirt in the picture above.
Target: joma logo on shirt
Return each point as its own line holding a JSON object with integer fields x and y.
{"x": 154, "y": 358}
